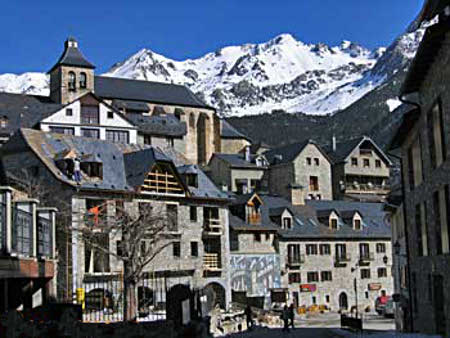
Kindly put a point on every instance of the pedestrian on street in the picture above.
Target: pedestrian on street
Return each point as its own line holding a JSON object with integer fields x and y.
{"x": 292, "y": 315}
{"x": 285, "y": 318}
{"x": 248, "y": 316}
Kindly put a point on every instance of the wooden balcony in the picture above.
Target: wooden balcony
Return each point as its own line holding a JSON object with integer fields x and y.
{"x": 362, "y": 188}
{"x": 254, "y": 219}
{"x": 211, "y": 262}
{"x": 212, "y": 227}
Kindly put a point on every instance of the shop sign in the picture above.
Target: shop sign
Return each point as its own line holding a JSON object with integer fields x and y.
{"x": 307, "y": 287}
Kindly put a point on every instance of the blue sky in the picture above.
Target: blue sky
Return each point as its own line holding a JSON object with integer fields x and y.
{"x": 33, "y": 32}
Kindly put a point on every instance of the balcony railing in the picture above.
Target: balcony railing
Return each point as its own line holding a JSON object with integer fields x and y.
{"x": 212, "y": 226}
{"x": 211, "y": 262}
{"x": 366, "y": 257}
{"x": 367, "y": 187}
{"x": 295, "y": 260}
{"x": 342, "y": 258}
{"x": 22, "y": 234}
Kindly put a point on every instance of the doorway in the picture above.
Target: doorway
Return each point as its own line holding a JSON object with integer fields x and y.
{"x": 343, "y": 301}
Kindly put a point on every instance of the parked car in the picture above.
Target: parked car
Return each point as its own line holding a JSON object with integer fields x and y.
{"x": 389, "y": 308}
{"x": 380, "y": 304}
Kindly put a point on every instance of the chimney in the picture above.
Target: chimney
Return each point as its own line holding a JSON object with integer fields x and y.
{"x": 297, "y": 195}
{"x": 334, "y": 143}
{"x": 247, "y": 154}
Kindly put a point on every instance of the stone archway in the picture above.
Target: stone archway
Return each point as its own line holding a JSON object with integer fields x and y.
{"x": 343, "y": 301}
{"x": 215, "y": 295}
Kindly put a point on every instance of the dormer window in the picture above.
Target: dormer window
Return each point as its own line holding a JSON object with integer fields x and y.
{"x": 287, "y": 223}
{"x": 3, "y": 122}
{"x": 334, "y": 223}
{"x": 377, "y": 164}
{"x": 92, "y": 169}
{"x": 357, "y": 224}
{"x": 72, "y": 81}
{"x": 192, "y": 180}
{"x": 354, "y": 162}
{"x": 83, "y": 80}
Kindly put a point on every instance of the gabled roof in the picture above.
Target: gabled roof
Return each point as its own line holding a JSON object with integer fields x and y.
{"x": 228, "y": 131}
{"x": 346, "y": 147}
{"x": 147, "y": 91}
{"x": 72, "y": 56}
{"x": 159, "y": 125}
{"x": 431, "y": 8}
{"x": 275, "y": 212}
{"x": 325, "y": 213}
{"x": 349, "y": 214}
{"x": 290, "y": 152}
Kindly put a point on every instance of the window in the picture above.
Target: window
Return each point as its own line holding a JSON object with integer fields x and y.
{"x": 147, "y": 139}
{"x": 333, "y": 223}
{"x": 90, "y": 114}
{"x": 62, "y": 130}
{"x": 110, "y": 115}
{"x": 311, "y": 249}
{"x": 176, "y": 249}
{"x": 255, "y": 185}
{"x": 308, "y": 161}
{"x": 313, "y": 183}
{"x": 325, "y": 249}
{"x": 172, "y": 217}
{"x": 366, "y": 163}
{"x": 447, "y": 211}
{"x": 411, "y": 169}
{"x": 191, "y": 180}
{"x": 436, "y": 139}
{"x": 119, "y": 249}
{"x": 382, "y": 272}
{"x": 326, "y": 276}
{"x": 294, "y": 277}
{"x": 120, "y": 208}
{"x": 314, "y": 300}
{"x": 287, "y": 223}
{"x": 357, "y": 223}
{"x": 267, "y": 237}
{"x": 257, "y": 237}
{"x": 377, "y": 163}
{"x": 83, "y": 80}
{"x": 92, "y": 169}
{"x": 365, "y": 273}
{"x": 91, "y": 133}
{"x": 312, "y": 277}
{"x": 421, "y": 230}
{"x": 117, "y": 136}
{"x": 327, "y": 298}
{"x": 341, "y": 252}
{"x": 72, "y": 82}
{"x": 354, "y": 162}
{"x": 366, "y": 294}
{"x": 170, "y": 142}
{"x": 294, "y": 256}
{"x": 381, "y": 248}
{"x": 194, "y": 249}
{"x": 316, "y": 161}
{"x": 193, "y": 213}
{"x": 364, "y": 251}
{"x": 437, "y": 222}
{"x": 69, "y": 112}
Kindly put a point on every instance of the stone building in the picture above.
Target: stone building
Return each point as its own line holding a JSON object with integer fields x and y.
{"x": 164, "y": 114}
{"x": 360, "y": 170}
{"x": 27, "y": 251}
{"x": 239, "y": 173}
{"x": 322, "y": 247}
{"x": 423, "y": 140}
{"x": 305, "y": 166}
{"x": 131, "y": 176}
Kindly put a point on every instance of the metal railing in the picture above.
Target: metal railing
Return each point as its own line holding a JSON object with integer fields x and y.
{"x": 211, "y": 262}
{"x": 22, "y": 232}
{"x": 366, "y": 256}
{"x": 367, "y": 187}
{"x": 44, "y": 237}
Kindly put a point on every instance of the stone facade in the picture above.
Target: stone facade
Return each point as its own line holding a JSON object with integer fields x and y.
{"x": 342, "y": 278}
{"x": 59, "y": 83}
{"x": 310, "y": 164}
{"x": 233, "y": 146}
{"x": 426, "y": 167}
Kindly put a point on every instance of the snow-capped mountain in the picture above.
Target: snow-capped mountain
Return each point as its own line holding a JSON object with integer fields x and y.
{"x": 281, "y": 74}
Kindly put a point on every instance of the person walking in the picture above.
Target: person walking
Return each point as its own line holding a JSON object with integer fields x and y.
{"x": 285, "y": 318}
{"x": 248, "y": 316}
{"x": 292, "y": 315}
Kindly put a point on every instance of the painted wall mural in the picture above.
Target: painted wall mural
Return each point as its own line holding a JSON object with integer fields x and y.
{"x": 255, "y": 274}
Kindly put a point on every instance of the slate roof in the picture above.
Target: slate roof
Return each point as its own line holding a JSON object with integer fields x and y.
{"x": 345, "y": 147}
{"x": 124, "y": 165}
{"x": 288, "y": 153}
{"x": 24, "y": 111}
{"x": 131, "y": 105}
{"x": 306, "y": 224}
{"x": 237, "y": 161}
{"x": 161, "y": 125}
{"x": 228, "y": 131}
{"x": 72, "y": 56}
{"x": 148, "y": 91}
